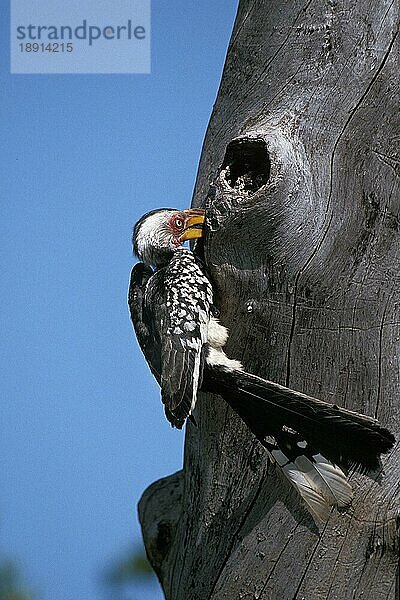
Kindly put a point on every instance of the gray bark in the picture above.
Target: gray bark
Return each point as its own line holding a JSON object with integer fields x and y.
{"x": 300, "y": 175}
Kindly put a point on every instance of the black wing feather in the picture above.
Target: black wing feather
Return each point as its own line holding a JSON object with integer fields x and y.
{"x": 184, "y": 335}
{"x": 170, "y": 310}
{"x": 143, "y": 326}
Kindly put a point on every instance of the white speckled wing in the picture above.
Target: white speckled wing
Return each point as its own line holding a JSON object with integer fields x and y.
{"x": 184, "y": 334}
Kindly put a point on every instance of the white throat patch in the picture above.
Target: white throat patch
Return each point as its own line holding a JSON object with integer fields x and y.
{"x": 154, "y": 236}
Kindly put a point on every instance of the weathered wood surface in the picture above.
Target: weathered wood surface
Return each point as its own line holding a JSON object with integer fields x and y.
{"x": 307, "y": 269}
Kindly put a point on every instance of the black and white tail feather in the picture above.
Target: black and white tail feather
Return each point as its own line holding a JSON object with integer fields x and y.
{"x": 320, "y": 483}
{"x": 172, "y": 311}
{"x": 314, "y": 443}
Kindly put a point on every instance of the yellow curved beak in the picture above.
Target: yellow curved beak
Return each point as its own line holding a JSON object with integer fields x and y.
{"x": 193, "y": 224}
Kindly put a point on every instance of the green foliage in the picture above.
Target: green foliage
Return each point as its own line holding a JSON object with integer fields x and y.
{"x": 11, "y": 587}
{"x": 134, "y": 566}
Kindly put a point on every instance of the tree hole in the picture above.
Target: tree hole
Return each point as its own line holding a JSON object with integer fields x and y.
{"x": 246, "y": 165}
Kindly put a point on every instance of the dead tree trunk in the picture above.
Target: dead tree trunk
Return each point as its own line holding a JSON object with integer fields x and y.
{"x": 300, "y": 173}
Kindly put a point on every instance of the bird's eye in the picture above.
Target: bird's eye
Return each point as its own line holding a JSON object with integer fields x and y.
{"x": 178, "y": 223}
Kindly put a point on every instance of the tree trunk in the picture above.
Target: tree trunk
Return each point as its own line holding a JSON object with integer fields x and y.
{"x": 299, "y": 173}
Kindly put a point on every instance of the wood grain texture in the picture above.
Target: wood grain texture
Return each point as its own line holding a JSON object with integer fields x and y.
{"x": 307, "y": 272}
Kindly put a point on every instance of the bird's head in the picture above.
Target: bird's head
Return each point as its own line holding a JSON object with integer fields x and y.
{"x": 160, "y": 232}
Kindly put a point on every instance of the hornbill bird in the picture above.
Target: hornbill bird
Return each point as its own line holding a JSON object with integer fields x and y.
{"x": 176, "y": 324}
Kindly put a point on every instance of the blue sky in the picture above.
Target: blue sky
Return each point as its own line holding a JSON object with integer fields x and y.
{"x": 82, "y": 427}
